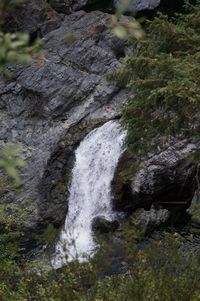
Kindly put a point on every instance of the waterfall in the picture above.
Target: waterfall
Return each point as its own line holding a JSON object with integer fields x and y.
{"x": 90, "y": 192}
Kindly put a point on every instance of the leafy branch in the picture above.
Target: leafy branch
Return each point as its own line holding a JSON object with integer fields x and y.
{"x": 10, "y": 161}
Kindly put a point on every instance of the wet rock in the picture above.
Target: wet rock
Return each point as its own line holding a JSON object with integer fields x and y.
{"x": 101, "y": 225}
{"x": 167, "y": 176}
{"x": 147, "y": 221}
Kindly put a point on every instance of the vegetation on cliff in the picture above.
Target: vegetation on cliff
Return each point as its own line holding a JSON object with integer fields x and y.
{"x": 14, "y": 46}
{"x": 161, "y": 271}
{"x": 163, "y": 70}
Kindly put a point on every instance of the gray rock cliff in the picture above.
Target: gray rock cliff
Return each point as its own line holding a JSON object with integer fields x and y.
{"x": 48, "y": 107}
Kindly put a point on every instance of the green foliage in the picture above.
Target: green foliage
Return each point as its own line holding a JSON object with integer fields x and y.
{"x": 9, "y": 253}
{"x": 159, "y": 271}
{"x": 10, "y": 161}
{"x": 123, "y": 29}
{"x": 49, "y": 236}
{"x": 6, "y": 7}
{"x": 14, "y": 47}
{"x": 164, "y": 71}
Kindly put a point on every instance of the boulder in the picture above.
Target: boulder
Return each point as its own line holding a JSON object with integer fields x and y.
{"x": 147, "y": 221}
{"x": 168, "y": 176}
{"x": 101, "y": 225}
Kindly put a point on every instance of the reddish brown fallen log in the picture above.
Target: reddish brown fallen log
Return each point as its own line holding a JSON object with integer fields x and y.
{"x": 172, "y": 204}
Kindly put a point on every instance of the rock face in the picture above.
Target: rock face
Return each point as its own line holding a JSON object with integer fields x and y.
{"x": 68, "y": 6}
{"x": 49, "y": 106}
{"x": 139, "y": 5}
{"x": 164, "y": 177}
{"x": 146, "y": 221}
{"x": 34, "y": 16}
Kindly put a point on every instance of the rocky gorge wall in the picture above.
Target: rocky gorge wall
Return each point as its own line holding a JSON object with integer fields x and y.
{"x": 48, "y": 107}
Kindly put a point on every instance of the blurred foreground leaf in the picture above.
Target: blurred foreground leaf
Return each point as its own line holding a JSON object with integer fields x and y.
{"x": 126, "y": 28}
{"x": 10, "y": 161}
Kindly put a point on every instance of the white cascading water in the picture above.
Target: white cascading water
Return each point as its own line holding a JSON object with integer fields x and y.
{"x": 90, "y": 192}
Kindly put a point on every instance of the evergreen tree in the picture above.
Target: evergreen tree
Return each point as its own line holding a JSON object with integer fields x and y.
{"x": 163, "y": 70}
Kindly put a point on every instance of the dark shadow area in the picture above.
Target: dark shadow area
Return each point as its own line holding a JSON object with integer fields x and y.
{"x": 167, "y": 7}
{"x": 103, "y": 5}
{"x": 170, "y": 7}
